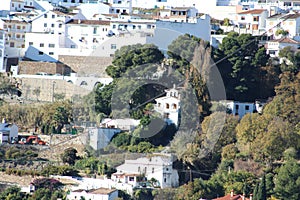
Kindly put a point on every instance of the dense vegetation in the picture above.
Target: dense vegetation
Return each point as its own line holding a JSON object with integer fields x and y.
{"x": 257, "y": 154}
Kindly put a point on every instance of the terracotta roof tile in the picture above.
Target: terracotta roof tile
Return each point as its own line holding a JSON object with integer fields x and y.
{"x": 286, "y": 40}
{"x": 253, "y": 12}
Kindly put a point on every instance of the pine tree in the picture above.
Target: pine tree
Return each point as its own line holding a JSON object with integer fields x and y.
{"x": 261, "y": 193}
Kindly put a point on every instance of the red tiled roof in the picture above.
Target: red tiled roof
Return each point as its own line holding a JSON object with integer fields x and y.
{"x": 234, "y": 197}
{"x": 254, "y": 11}
{"x": 286, "y": 40}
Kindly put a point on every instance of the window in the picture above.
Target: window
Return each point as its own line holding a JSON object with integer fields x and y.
{"x": 148, "y": 26}
{"x": 237, "y": 107}
{"x": 174, "y": 106}
{"x": 152, "y": 170}
{"x": 53, "y": 16}
{"x": 18, "y": 27}
{"x": 72, "y": 46}
{"x": 114, "y": 26}
{"x": 0, "y": 53}
{"x": 247, "y": 107}
{"x": 131, "y": 178}
{"x": 256, "y": 19}
{"x": 139, "y": 169}
{"x": 95, "y": 30}
{"x": 159, "y": 104}
{"x": 167, "y": 106}
{"x": 165, "y": 180}
{"x": 51, "y": 45}
{"x": 45, "y": 25}
{"x": 59, "y": 25}
{"x": 42, "y": 45}
{"x": 45, "y": 16}
{"x": 41, "y": 53}
{"x": 242, "y": 17}
{"x": 145, "y": 169}
{"x": 12, "y": 5}
{"x": 51, "y": 53}
{"x": 23, "y": 27}
{"x": 30, "y": 43}
{"x": 113, "y": 46}
{"x": 52, "y": 25}
{"x": 133, "y": 27}
{"x": 11, "y": 44}
{"x": 18, "y": 36}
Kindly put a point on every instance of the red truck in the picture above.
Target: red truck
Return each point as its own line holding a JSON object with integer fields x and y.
{"x": 32, "y": 140}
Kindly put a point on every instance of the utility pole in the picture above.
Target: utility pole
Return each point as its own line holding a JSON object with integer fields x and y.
{"x": 53, "y": 85}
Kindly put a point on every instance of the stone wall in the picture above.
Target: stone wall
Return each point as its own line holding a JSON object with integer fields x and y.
{"x": 31, "y": 67}
{"x": 49, "y": 88}
{"x": 87, "y": 65}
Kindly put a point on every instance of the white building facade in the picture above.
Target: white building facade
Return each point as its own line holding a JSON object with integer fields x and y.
{"x": 274, "y": 46}
{"x": 157, "y": 166}
{"x": 8, "y": 132}
{"x": 2, "y": 50}
{"x": 288, "y": 22}
{"x": 169, "y": 106}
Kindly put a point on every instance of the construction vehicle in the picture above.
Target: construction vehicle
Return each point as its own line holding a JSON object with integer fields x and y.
{"x": 32, "y": 140}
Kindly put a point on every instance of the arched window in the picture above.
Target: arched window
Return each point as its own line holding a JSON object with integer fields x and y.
{"x": 83, "y": 83}
{"x": 174, "y": 106}
{"x": 167, "y": 106}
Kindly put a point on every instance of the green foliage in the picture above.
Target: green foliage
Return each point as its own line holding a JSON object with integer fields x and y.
{"x": 245, "y": 68}
{"x": 182, "y": 49}
{"x": 281, "y": 32}
{"x": 261, "y": 191}
{"x": 47, "y": 183}
{"x": 69, "y": 156}
{"x": 291, "y": 59}
{"x": 122, "y": 139}
{"x": 63, "y": 170}
{"x": 12, "y": 193}
{"x": 130, "y": 56}
{"x": 287, "y": 182}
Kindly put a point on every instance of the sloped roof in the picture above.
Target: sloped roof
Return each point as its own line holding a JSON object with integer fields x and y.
{"x": 253, "y": 12}
{"x": 286, "y": 40}
{"x": 234, "y": 197}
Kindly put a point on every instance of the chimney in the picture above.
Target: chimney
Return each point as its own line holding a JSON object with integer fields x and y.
{"x": 231, "y": 193}
{"x": 251, "y": 196}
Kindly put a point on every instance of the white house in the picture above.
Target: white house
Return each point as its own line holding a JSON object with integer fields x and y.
{"x": 253, "y": 20}
{"x": 274, "y": 46}
{"x": 101, "y": 137}
{"x": 182, "y": 14}
{"x": 126, "y": 124}
{"x": 67, "y": 3}
{"x": 2, "y": 51}
{"x": 169, "y": 106}
{"x": 286, "y": 21}
{"x": 15, "y": 36}
{"x": 120, "y": 6}
{"x": 240, "y": 108}
{"x": 157, "y": 166}
{"x": 94, "y": 194}
{"x": 86, "y": 34}
{"x": 88, "y": 10}
{"x": 50, "y": 22}
{"x": 8, "y": 132}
